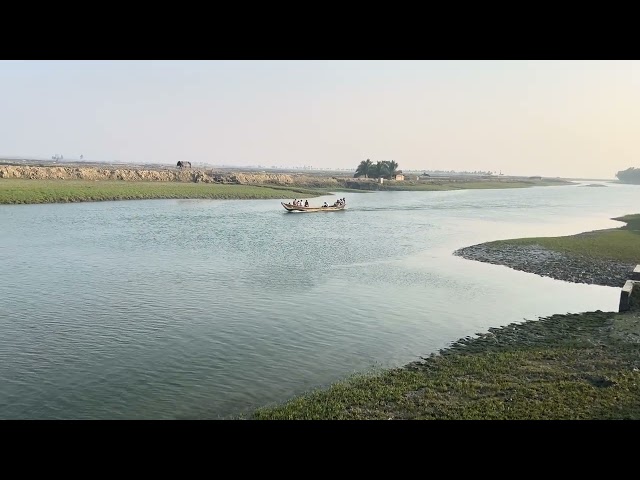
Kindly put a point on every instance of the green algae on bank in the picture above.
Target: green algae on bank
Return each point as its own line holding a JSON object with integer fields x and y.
{"x": 574, "y": 366}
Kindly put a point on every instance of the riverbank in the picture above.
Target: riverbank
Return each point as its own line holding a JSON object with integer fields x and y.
{"x": 573, "y": 366}
{"x": 601, "y": 257}
{"x": 580, "y": 366}
{"x": 45, "y": 184}
{"x": 65, "y": 191}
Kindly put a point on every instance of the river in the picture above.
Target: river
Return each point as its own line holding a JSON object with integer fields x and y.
{"x": 193, "y": 309}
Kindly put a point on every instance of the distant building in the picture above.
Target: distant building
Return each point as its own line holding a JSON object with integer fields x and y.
{"x": 398, "y": 175}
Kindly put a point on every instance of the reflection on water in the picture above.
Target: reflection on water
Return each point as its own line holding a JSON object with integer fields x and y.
{"x": 205, "y": 309}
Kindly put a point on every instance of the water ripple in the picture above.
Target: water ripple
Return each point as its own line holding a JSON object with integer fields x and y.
{"x": 205, "y": 309}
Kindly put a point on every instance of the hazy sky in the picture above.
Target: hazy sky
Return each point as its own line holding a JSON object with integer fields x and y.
{"x": 551, "y": 118}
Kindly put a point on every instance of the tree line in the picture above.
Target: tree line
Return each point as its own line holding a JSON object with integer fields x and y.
{"x": 381, "y": 169}
{"x": 630, "y": 175}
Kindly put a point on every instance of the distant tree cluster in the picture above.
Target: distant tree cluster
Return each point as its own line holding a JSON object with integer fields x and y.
{"x": 388, "y": 168}
{"x": 381, "y": 169}
{"x": 630, "y": 175}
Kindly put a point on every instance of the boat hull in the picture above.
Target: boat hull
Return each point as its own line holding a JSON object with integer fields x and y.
{"x": 294, "y": 208}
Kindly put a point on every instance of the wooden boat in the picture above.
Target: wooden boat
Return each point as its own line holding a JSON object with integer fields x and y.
{"x": 294, "y": 208}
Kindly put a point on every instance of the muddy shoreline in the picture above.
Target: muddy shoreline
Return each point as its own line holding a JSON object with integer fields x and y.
{"x": 548, "y": 263}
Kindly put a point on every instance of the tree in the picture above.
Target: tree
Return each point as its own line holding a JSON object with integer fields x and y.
{"x": 364, "y": 169}
{"x": 380, "y": 170}
{"x": 392, "y": 167}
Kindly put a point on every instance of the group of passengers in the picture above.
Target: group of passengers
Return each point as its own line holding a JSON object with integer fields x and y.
{"x": 341, "y": 202}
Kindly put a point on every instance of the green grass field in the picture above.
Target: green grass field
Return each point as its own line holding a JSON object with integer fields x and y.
{"x": 14, "y": 191}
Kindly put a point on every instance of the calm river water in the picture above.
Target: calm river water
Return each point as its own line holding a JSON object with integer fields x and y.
{"x": 168, "y": 309}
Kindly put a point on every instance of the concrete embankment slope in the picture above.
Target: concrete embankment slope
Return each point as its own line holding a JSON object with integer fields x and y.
{"x": 155, "y": 175}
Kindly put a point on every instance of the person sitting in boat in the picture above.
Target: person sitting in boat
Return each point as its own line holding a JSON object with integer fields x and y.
{"x": 306, "y": 203}
{"x": 325, "y": 205}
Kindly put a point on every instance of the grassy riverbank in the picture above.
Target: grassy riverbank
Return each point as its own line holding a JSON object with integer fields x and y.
{"x": 14, "y": 191}
{"x": 38, "y": 184}
{"x": 574, "y": 366}
{"x": 621, "y": 244}
{"x": 581, "y": 366}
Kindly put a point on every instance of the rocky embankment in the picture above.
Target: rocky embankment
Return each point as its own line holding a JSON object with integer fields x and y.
{"x": 159, "y": 175}
{"x": 548, "y": 263}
